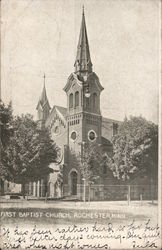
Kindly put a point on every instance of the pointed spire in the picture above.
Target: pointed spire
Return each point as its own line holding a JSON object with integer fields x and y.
{"x": 83, "y": 10}
{"x": 43, "y": 100}
{"x": 83, "y": 60}
{"x": 44, "y": 76}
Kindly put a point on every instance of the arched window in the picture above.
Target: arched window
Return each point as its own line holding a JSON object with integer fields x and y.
{"x": 76, "y": 99}
{"x": 94, "y": 100}
{"x": 71, "y": 100}
{"x": 73, "y": 176}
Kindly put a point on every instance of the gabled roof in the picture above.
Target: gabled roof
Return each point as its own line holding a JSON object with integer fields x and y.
{"x": 92, "y": 77}
{"x": 71, "y": 78}
{"x": 95, "y": 79}
{"x": 108, "y": 120}
{"x": 105, "y": 141}
{"x": 59, "y": 112}
{"x": 62, "y": 110}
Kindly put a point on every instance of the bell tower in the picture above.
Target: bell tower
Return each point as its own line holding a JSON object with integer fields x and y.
{"x": 83, "y": 97}
{"x": 43, "y": 107}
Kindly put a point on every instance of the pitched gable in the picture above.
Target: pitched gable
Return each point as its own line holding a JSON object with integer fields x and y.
{"x": 57, "y": 112}
{"x": 73, "y": 78}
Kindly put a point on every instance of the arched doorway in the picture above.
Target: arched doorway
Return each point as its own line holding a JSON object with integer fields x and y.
{"x": 73, "y": 177}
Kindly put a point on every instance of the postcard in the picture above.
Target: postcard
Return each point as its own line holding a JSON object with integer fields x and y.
{"x": 80, "y": 124}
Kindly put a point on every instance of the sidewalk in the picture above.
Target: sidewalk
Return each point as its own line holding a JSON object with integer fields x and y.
{"x": 101, "y": 205}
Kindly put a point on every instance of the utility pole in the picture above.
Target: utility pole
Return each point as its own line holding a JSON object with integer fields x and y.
{"x": 84, "y": 190}
{"x": 82, "y": 162}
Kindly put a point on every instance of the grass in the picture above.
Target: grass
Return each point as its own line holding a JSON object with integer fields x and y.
{"x": 66, "y": 212}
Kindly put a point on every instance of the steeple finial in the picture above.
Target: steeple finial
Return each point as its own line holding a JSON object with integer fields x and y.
{"x": 44, "y": 76}
{"x": 83, "y": 62}
{"x": 83, "y": 10}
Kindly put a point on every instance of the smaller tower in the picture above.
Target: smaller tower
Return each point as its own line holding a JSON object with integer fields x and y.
{"x": 43, "y": 107}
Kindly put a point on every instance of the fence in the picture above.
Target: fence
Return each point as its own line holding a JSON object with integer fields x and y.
{"x": 117, "y": 192}
{"x": 91, "y": 192}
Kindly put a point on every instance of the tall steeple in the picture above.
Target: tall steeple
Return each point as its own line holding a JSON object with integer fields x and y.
{"x": 83, "y": 62}
{"x": 43, "y": 106}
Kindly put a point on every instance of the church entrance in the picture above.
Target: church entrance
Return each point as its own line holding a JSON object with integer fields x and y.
{"x": 73, "y": 176}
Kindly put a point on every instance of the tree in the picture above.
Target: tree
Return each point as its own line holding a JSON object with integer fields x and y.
{"x": 29, "y": 153}
{"x": 5, "y": 122}
{"x": 5, "y": 134}
{"x": 59, "y": 180}
{"x": 135, "y": 149}
{"x": 93, "y": 161}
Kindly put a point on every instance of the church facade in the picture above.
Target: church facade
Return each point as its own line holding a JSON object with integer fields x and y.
{"x": 80, "y": 122}
{"x": 73, "y": 126}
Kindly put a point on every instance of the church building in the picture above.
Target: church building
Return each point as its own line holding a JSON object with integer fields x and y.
{"x": 80, "y": 122}
{"x": 73, "y": 126}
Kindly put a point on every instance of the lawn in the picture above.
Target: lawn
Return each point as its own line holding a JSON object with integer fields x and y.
{"x": 76, "y": 212}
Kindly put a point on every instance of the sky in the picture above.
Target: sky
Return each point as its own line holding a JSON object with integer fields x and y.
{"x": 41, "y": 36}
